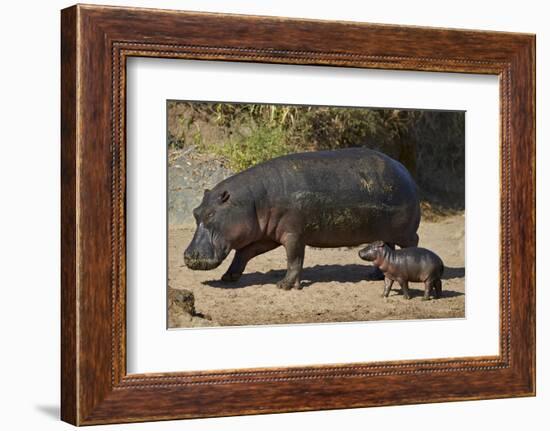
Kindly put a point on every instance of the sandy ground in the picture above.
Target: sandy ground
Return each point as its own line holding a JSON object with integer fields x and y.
{"x": 336, "y": 285}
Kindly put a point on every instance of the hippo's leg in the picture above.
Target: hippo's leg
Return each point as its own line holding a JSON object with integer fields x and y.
{"x": 428, "y": 287}
{"x": 295, "y": 249}
{"x": 405, "y": 288}
{"x": 437, "y": 288}
{"x": 243, "y": 256}
{"x": 387, "y": 286}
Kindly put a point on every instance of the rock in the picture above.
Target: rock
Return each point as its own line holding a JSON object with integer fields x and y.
{"x": 189, "y": 173}
{"x": 183, "y": 300}
{"x": 181, "y": 310}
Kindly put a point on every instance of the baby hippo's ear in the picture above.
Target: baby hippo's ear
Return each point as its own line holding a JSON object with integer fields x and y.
{"x": 224, "y": 196}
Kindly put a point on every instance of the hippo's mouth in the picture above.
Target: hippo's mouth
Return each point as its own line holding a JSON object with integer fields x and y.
{"x": 195, "y": 261}
{"x": 206, "y": 251}
{"x": 201, "y": 264}
{"x": 366, "y": 254}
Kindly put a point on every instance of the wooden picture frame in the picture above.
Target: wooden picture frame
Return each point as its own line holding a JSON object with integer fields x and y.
{"x": 95, "y": 43}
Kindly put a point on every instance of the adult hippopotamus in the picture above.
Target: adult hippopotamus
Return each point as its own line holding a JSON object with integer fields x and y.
{"x": 336, "y": 198}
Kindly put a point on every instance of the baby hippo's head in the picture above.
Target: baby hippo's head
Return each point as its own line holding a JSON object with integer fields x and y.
{"x": 372, "y": 251}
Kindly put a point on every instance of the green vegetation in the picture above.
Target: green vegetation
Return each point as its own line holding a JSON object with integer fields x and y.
{"x": 263, "y": 143}
{"x": 429, "y": 143}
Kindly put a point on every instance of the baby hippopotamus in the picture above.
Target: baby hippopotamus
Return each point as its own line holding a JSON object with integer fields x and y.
{"x": 408, "y": 264}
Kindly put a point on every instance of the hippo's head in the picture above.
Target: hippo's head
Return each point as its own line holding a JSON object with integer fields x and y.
{"x": 222, "y": 222}
{"x": 372, "y": 251}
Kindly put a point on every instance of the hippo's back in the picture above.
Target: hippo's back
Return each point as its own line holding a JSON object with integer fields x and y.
{"x": 361, "y": 171}
{"x": 342, "y": 197}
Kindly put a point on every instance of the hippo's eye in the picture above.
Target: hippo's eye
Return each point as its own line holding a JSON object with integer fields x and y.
{"x": 209, "y": 215}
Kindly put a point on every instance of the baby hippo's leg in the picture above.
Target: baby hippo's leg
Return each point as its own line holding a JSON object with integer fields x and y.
{"x": 437, "y": 288}
{"x": 387, "y": 286}
{"x": 405, "y": 288}
{"x": 428, "y": 286}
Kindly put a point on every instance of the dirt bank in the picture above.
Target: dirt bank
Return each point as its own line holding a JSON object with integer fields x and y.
{"x": 336, "y": 285}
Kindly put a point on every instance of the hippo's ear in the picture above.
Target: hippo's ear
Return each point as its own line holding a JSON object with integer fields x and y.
{"x": 206, "y": 191}
{"x": 224, "y": 197}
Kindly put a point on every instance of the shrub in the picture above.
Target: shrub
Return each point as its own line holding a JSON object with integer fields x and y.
{"x": 263, "y": 143}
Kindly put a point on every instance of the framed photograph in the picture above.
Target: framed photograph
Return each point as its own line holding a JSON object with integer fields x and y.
{"x": 264, "y": 214}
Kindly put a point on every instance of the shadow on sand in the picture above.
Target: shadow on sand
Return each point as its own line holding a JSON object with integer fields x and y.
{"x": 450, "y": 273}
{"x": 418, "y": 290}
{"x": 352, "y": 273}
